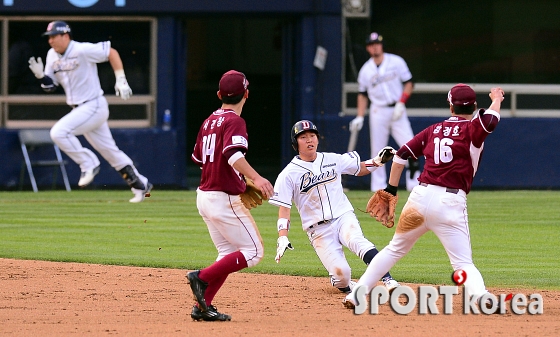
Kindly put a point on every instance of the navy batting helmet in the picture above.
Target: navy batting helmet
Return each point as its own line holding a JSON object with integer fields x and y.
{"x": 299, "y": 127}
{"x": 57, "y": 27}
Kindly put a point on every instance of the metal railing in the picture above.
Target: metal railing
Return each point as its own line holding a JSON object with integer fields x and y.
{"x": 511, "y": 90}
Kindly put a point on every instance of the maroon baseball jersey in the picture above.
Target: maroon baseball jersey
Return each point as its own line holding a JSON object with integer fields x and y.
{"x": 223, "y": 131}
{"x": 452, "y": 149}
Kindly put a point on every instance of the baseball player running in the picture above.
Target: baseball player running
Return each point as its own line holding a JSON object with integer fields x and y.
{"x": 452, "y": 150}
{"x": 73, "y": 65}
{"x": 387, "y": 82}
{"x": 220, "y": 150}
{"x": 313, "y": 181}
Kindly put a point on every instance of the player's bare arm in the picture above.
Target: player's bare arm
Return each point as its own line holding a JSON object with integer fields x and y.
{"x": 243, "y": 167}
{"x": 497, "y": 96}
{"x": 396, "y": 172}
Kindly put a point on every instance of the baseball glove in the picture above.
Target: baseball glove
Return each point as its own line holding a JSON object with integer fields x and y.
{"x": 252, "y": 197}
{"x": 381, "y": 206}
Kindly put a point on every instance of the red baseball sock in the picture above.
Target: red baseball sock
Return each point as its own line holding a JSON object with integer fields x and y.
{"x": 228, "y": 264}
{"x": 213, "y": 289}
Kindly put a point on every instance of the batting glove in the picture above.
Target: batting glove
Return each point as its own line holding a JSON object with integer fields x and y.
{"x": 36, "y": 67}
{"x": 121, "y": 86}
{"x": 385, "y": 155}
{"x": 399, "y": 110}
{"x": 281, "y": 245}
{"x": 356, "y": 124}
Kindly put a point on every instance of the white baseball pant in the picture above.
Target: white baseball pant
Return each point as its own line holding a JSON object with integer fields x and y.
{"x": 443, "y": 213}
{"x": 230, "y": 224}
{"x": 328, "y": 240}
{"x": 381, "y": 125}
{"x": 90, "y": 120}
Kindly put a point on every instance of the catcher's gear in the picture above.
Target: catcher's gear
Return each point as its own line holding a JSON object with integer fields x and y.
{"x": 299, "y": 127}
{"x": 381, "y": 206}
{"x": 36, "y": 67}
{"x": 281, "y": 245}
{"x": 121, "y": 86}
{"x": 252, "y": 197}
{"x": 56, "y": 28}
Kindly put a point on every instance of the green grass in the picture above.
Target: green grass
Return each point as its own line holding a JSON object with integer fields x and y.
{"x": 514, "y": 235}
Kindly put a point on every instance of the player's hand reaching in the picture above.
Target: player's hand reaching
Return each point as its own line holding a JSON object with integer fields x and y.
{"x": 36, "y": 67}
{"x": 496, "y": 94}
{"x": 122, "y": 88}
{"x": 281, "y": 245}
{"x": 384, "y": 155}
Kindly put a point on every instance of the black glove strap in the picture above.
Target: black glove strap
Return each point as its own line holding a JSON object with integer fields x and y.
{"x": 391, "y": 189}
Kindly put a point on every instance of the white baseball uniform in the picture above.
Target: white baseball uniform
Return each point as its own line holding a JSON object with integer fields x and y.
{"x": 384, "y": 86}
{"x": 76, "y": 72}
{"x": 326, "y": 213}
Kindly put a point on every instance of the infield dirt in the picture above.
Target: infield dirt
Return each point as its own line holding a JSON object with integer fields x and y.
{"x": 40, "y": 298}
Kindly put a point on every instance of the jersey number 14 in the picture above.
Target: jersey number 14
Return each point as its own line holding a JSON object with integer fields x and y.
{"x": 208, "y": 147}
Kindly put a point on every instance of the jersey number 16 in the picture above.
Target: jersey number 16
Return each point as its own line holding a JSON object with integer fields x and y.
{"x": 442, "y": 150}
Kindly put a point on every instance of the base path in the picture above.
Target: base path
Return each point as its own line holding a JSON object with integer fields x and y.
{"x": 40, "y": 298}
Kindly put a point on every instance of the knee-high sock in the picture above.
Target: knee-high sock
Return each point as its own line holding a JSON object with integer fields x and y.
{"x": 213, "y": 288}
{"x": 228, "y": 264}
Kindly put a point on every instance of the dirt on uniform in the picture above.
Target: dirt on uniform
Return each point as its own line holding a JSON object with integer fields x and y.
{"x": 40, "y": 298}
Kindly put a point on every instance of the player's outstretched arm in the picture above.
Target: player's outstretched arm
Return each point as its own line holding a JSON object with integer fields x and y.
{"x": 384, "y": 156}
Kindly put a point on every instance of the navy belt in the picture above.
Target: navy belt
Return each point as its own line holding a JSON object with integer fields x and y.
{"x": 320, "y": 223}
{"x": 74, "y": 106}
{"x": 447, "y": 189}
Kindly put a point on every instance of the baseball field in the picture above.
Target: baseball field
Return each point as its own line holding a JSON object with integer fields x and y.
{"x": 90, "y": 263}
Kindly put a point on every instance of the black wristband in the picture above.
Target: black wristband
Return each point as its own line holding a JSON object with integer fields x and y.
{"x": 391, "y": 189}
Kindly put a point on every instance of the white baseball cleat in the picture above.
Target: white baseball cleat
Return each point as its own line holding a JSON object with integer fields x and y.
{"x": 390, "y": 284}
{"x": 87, "y": 177}
{"x": 139, "y": 195}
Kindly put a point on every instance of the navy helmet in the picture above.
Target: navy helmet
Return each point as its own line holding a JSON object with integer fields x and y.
{"x": 299, "y": 127}
{"x": 57, "y": 27}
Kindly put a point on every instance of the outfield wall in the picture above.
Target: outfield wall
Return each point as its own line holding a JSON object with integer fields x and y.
{"x": 521, "y": 153}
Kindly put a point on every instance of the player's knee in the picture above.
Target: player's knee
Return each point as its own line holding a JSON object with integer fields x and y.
{"x": 57, "y": 134}
{"x": 341, "y": 276}
{"x": 254, "y": 257}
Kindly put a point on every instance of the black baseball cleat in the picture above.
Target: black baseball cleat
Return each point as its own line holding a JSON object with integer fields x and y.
{"x": 198, "y": 288}
{"x": 209, "y": 315}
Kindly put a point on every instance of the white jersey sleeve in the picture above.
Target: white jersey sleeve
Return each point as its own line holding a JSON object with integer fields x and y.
{"x": 384, "y": 84}
{"x": 316, "y": 187}
{"x": 76, "y": 70}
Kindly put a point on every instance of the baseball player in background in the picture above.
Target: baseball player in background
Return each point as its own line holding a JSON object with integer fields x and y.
{"x": 452, "y": 150}
{"x": 220, "y": 150}
{"x": 386, "y": 82}
{"x": 73, "y": 65}
{"x": 312, "y": 180}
